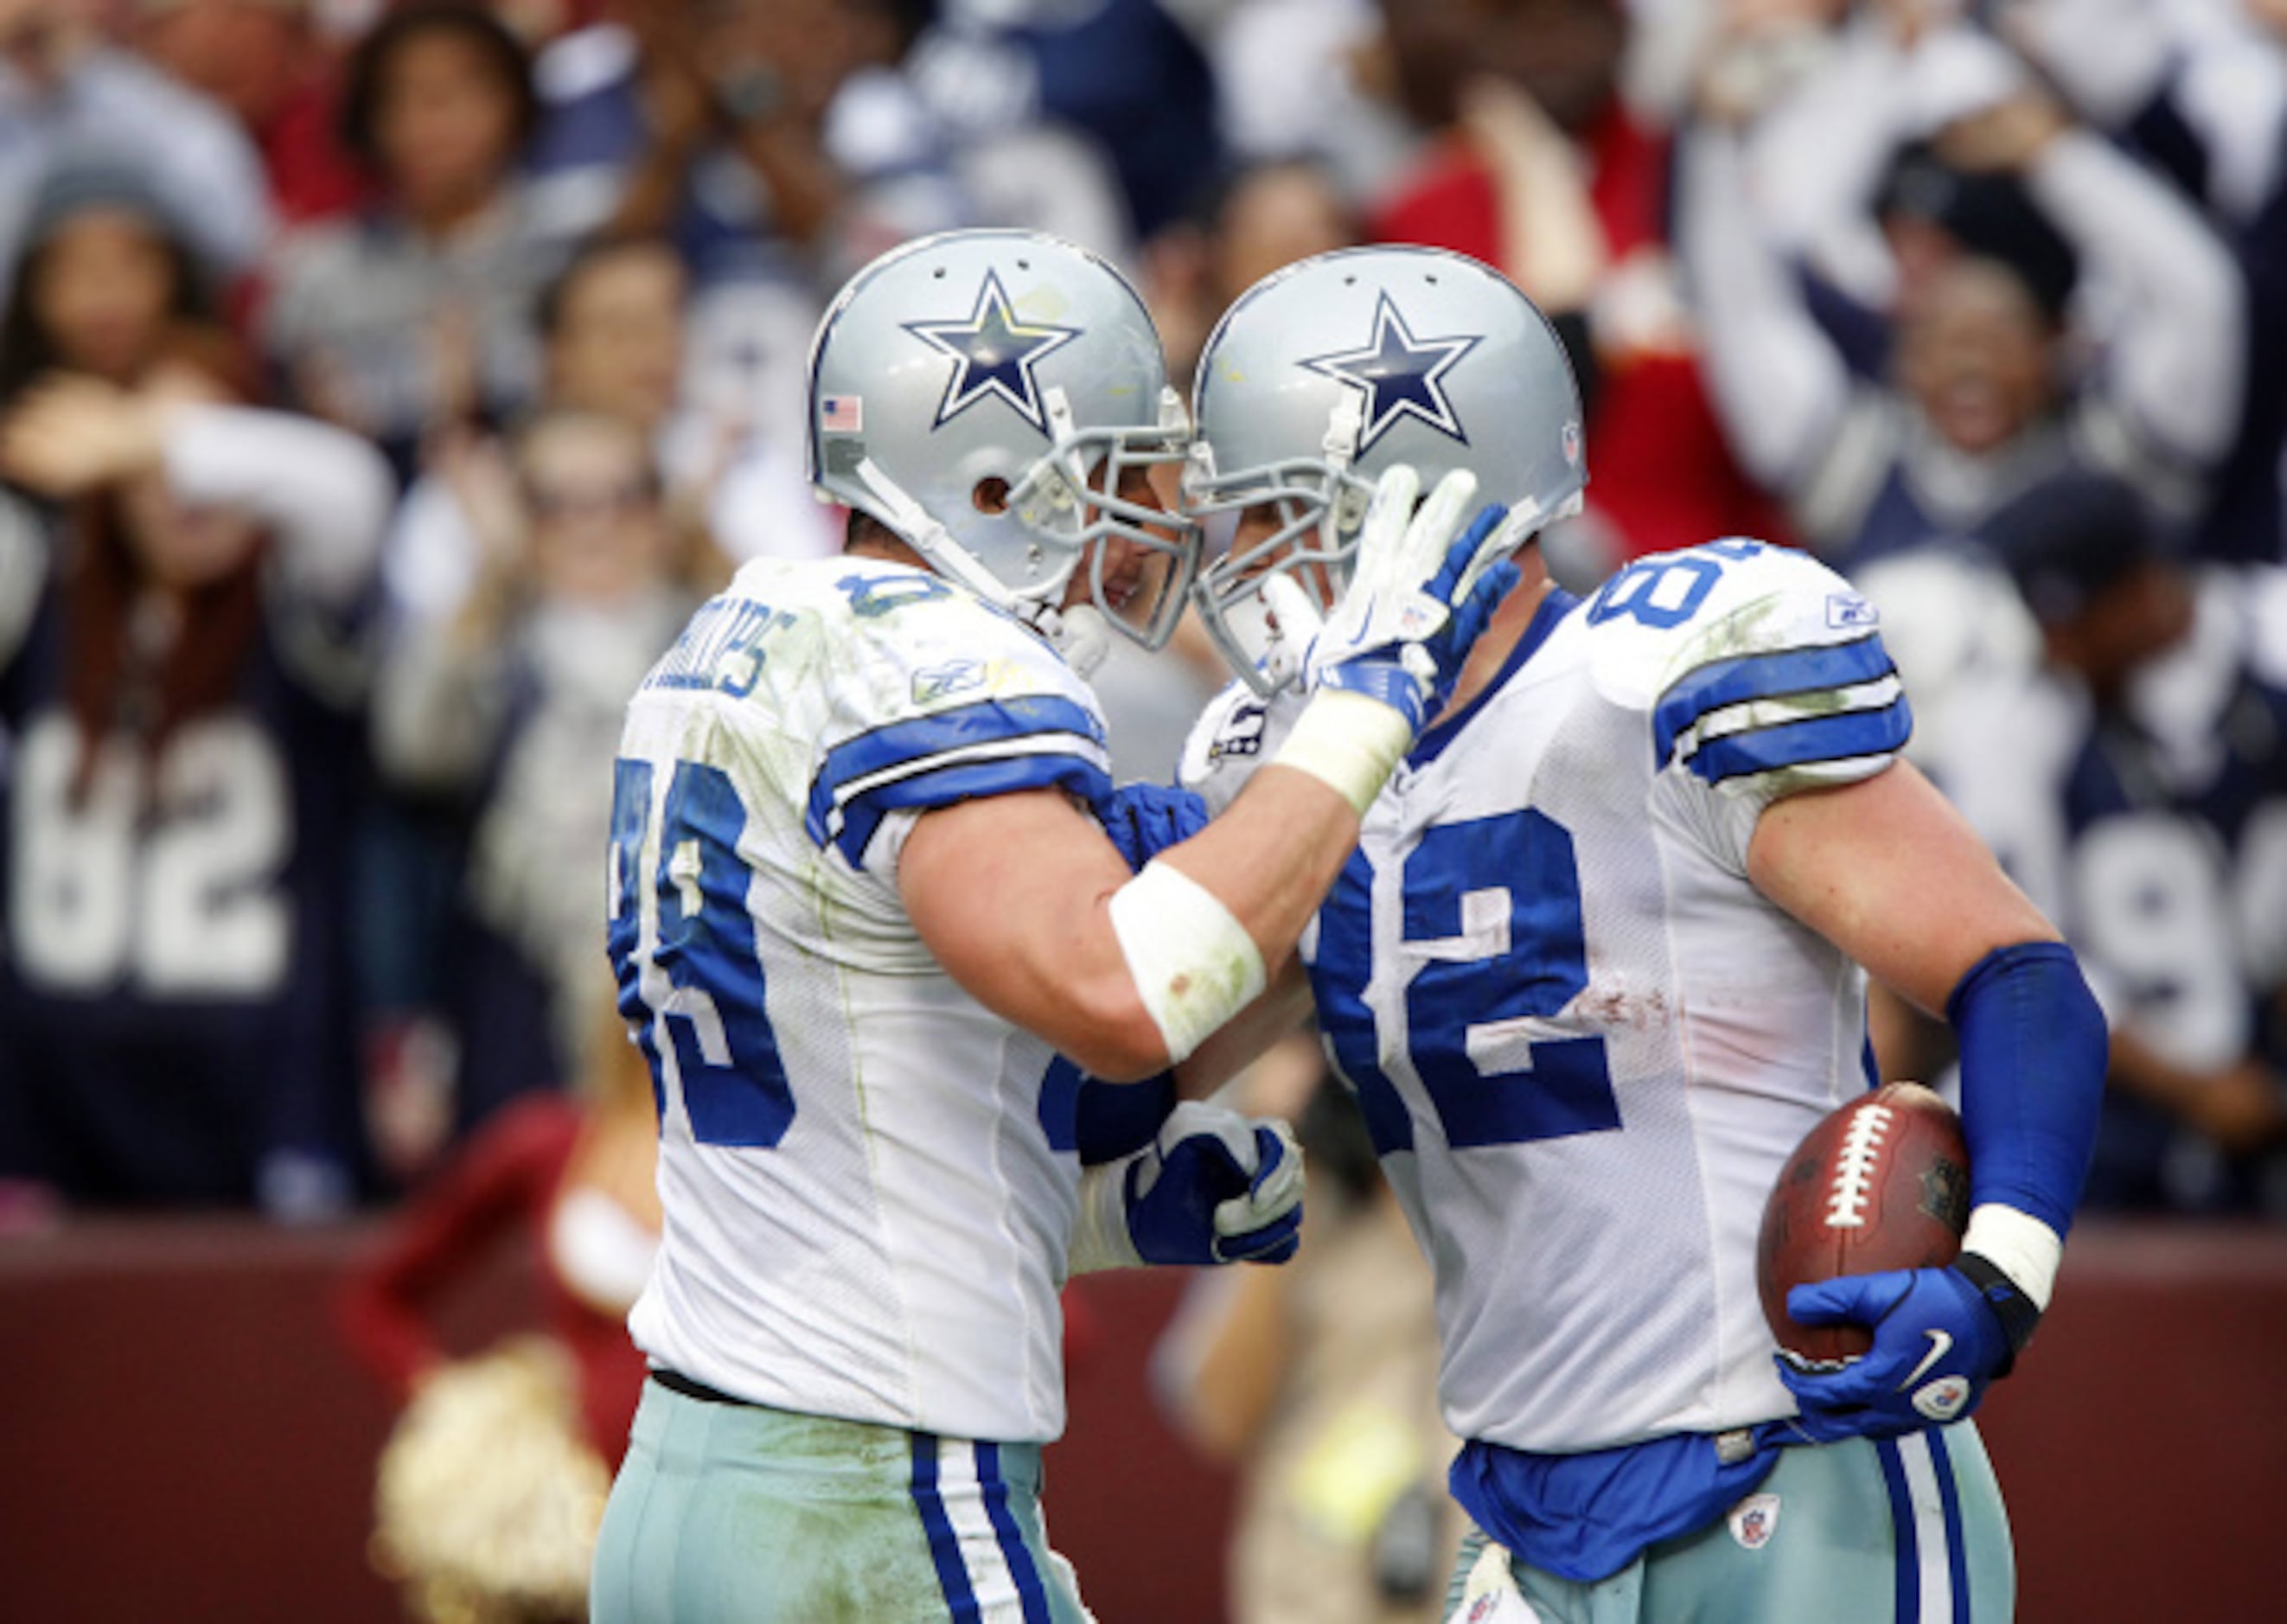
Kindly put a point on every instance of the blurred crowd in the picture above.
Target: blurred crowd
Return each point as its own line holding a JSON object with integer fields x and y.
{"x": 381, "y": 386}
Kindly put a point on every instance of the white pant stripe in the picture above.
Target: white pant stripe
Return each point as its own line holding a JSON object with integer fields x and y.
{"x": 1934, "y": 1559}
{"x": 989, "y": 1576}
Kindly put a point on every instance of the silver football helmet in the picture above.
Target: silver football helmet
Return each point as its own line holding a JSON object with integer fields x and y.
{"x": 1323, "y": 374}
{"x": 983, "y": 393}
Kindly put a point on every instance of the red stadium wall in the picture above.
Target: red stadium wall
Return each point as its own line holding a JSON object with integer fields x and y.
{"x": 182, "y": 1436}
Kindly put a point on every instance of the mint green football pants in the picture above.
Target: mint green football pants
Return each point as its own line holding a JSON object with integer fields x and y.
{"x": 726, "y": 1512}
{"x": 1905, "y": 1531}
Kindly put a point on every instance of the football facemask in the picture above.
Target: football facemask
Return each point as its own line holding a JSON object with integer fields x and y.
{"x": 1324, "y": 374}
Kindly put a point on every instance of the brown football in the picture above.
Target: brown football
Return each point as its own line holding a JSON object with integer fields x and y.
{"x": 1881, "y": 1183}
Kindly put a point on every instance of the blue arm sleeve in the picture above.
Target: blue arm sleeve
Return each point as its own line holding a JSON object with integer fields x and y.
{"x": 2033, "y": 1054}
{"x": 1111, "y": 1119}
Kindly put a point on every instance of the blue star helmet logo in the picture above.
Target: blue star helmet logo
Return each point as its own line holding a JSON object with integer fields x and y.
{"x": 1399, "y": 375}
{"x": 993, "y": 354}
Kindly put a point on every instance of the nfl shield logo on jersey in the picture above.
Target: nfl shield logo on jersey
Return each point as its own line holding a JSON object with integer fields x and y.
{"x": 1754, "y": 1521}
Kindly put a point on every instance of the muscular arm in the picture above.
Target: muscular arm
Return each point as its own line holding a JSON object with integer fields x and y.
{"x": 1887, "y": 871}
{"x": 1890, "y": 873}
{"x": 1012, "y": 894}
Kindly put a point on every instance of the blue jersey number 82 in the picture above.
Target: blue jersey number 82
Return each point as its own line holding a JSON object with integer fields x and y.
{"x": 1494, "y": 943}
{"x": 697, "y": 979}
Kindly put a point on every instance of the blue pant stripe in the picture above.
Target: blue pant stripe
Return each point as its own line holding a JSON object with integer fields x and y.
{"x": 1908, "y": 1607}
{"x": 1030, "y": 1590}
{"x": 1957, "y": 1558}
{"x": 944, "y": 1543}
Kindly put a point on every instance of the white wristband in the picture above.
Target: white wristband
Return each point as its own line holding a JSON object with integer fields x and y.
{"x": 1193, "y": 964}
{"x": 1349, "y": 742}
{"x": 1099, "y": 1232}
{"x": 2020, "y": 1245}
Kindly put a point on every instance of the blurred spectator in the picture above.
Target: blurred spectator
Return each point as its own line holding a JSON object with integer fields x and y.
{"x": 513, "y": 704}
{"x": 1261, "y": 216}
{"x": 493, "y": 1482}
{"x": 1126, "y": 75}
{"x": 175, "y": 665}
{"x": 1319, "y": 1382}
{"x": 1486, "y": 80}
{"x": 62, "y": 88}
{"x": 1293, "y": 80}
{"x": 2201, "y": 91}
{"x": 263, "y": 62}
{"x": 2136, "y": 785}
{"x": 106, "y": 283}
{"x": 709, "y": 124}
{"x": 417, "y": 313}
{"x": 1983, "y": 401}
{"x": 614, "y": 340}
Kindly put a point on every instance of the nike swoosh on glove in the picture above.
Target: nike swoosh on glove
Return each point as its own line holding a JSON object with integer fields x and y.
{"x": 1938, "y": 1343}
{"x": 1216, "y": 1187}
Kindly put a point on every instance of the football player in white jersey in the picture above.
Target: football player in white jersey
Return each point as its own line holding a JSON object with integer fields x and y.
{"x": 868, "y": 928}
{"x": 1599, "y": 963}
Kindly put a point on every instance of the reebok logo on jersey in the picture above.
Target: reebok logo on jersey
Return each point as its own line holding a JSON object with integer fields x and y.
{"x": 939, "y": 680}
{"x": 1848, "y": 609}
{"x": 1755, "y": 1520}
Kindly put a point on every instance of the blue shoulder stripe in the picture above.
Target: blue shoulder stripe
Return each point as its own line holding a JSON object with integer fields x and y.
{"x": 1751, "y": 676}
{"x": 952, "y": 755}
{"x": 1794, "y": 744}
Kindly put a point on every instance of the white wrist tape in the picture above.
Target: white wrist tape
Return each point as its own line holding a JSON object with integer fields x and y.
{"x": 2018, "y": 1244}
{"x": 1194, "y": 964}
{"x": 1349, "y": 742}
{"x": 1099, "y": 1232}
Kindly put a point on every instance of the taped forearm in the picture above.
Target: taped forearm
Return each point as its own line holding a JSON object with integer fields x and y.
{"x": 1194, "y": 964}
{"x": 1349, "y": 742}
{"x": 1100, "y": 1240}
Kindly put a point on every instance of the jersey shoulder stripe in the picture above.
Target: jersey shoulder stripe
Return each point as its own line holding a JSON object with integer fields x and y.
{"x": 1781, "y": 673}
{"x": 1846, "y": 736}
{"x": 990, "y": 747}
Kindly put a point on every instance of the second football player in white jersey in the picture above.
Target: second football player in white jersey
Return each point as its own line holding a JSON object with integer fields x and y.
{"x": 1596, "y": 968}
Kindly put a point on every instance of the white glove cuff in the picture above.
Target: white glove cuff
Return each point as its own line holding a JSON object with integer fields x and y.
{"x": 1193, "y": 964}
{"x": 1099, "y": 1232}
{"x": 1348, "y": 742}
{"x": 2020, "y": 1245}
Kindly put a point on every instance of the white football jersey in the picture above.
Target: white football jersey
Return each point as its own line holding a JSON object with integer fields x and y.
{"x": 1583, "y": 1042}
{"x": 869, "y": 1191}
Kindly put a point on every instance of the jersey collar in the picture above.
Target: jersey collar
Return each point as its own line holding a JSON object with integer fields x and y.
{"x": 1554, "y": 608}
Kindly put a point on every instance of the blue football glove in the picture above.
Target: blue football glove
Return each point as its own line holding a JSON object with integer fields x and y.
{"x": 1145, "y": 819}
{"x": 1419, "y": 597}
{"x": 1215, "y": 1187}
{"x": 1940, "y": 1338}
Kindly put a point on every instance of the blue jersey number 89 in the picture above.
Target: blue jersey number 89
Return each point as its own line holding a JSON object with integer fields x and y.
{"x": 1493, "y": 935}
{"x": 698, "y": 980}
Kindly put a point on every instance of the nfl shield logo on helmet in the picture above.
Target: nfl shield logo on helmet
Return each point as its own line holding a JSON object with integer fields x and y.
{"x": 1570, "y": 438}
{"x": 1755, "y": 1520}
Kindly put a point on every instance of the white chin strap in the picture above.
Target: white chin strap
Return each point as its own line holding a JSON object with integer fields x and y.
{"x": 1080, "y": 633}
{"x": 931, "y": 540}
